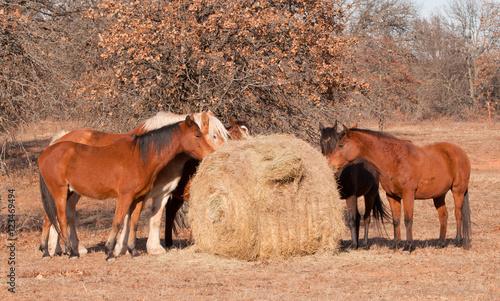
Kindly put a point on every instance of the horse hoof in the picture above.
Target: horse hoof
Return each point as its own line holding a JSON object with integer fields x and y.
{"x": 157, "y": 250}
{"x": 82, "y": 251}
{"x": 409, "y": 247}
{"x": 110, "y": 257}
{"x": 120, "y": 249}
{"x": 134, "y": 253}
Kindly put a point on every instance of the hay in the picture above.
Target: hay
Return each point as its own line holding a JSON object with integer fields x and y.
{"x": 266, "y": 197}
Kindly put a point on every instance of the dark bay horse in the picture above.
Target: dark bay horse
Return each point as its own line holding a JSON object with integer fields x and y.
{"x": 125, "y": 169}
{"x": 238, "y": 130}
{"x": 409, "y": 172}
{"x": 356, "y": 179}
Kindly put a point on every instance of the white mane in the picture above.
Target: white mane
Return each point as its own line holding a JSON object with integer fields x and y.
{"x": 165, "y": 118}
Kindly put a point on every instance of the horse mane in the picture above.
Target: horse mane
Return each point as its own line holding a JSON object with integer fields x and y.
{"x": 165, "y": 118}
{"x": 161, "y": 119}
{"x": 215, "y": 126}
{"x": 159, "y": 138}
{"x": 385, "y": 134}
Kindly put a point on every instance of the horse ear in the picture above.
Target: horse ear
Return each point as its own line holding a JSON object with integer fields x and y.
{"x": 211, "y": 113}
{"x": 232, "y": 120}
{"x": 189, "y": 121}
{"x": 346, "y": 131}
{"x": 321, "y": 126}
{"x": 205, "y": 122}
{"x": 335, "y": 126}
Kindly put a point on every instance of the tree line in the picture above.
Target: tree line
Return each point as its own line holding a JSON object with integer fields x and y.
{"x": 284, "y": 65}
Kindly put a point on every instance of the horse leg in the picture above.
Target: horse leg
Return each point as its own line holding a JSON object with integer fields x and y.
{"x": 54, "y": 246}
{"x": 369, "y": 204}
{"x": 353, "y": 219}
{"x": 408, "y": 204}
{"x": 440, "y": 205}
{"x": 153, "y": 244}
{"x": 122, "y": 207}
{"x": 71, "y": 215}
{"x": 173, "y": 205}
{"x": 459, "y": 197}
{"x": 121, "y": 247}
{"x": 136, "y": 209}
{"x": 63, "y": 222}
{"x": 44, "y": 245}
{"x": 395, "y": 204}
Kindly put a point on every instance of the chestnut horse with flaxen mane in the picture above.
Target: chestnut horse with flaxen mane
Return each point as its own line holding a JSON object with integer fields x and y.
{"x": 125, "y": 169}
{"x": 409, "y": 172}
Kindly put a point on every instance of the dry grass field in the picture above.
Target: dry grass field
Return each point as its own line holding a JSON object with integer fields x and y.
{"x": 380, "y": 273}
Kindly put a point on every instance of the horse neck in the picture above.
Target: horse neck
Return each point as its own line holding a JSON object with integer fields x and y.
{"x": 158, "y": 161}
{"x": 377, "y": 149}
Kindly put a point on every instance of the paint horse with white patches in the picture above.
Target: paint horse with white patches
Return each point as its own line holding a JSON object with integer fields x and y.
{"x": 238, "y": 130}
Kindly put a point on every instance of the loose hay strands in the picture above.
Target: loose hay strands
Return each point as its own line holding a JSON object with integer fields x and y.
{"x": 266, "y": 197}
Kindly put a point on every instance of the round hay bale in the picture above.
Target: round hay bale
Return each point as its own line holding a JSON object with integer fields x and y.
{"x": 265, "y": 197}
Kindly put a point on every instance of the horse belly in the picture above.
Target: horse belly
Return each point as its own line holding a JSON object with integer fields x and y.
{"x": 431, "y": 187}
{"x": 92, "y": 189}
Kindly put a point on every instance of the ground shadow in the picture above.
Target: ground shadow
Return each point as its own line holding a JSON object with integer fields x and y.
{"x": 346, "y": 245}
{"x": 141, "y": 245}
{"x": 21, "y": 156}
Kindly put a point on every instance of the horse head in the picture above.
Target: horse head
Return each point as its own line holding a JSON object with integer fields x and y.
{"x": 329, "y": 138}
{"x": 194, "y": 141}
{"x": 239, "y": 129}
{"x": 345, "y": 151}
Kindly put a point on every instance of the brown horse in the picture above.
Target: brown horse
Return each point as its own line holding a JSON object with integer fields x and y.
{"x": 125, "y": 169}
{"x": 213, "y": 131}
{"x": 409, "y": 172}
{"x": 90, "y": 137}
{"x": 238, "y": 130}
{"x": 356, "y": 179}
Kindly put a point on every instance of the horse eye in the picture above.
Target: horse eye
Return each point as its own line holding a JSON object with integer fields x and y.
{"x": 197, "y": 135}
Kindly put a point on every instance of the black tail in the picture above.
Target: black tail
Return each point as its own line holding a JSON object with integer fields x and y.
{"x": 380, "y": 213}
{"x": 466, "y": 221}
{"x": 380, "y": 210}
{"x": 49, "y": 204}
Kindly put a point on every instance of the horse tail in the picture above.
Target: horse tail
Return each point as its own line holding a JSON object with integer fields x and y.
{"x": 58, "y": 136}
{"x": 49, "y": 204}
{"x": 380, "y": 210}
{"x": 466, "y": 221}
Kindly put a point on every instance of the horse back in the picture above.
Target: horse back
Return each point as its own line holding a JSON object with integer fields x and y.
{"x": 445, "y": 166}
{"x": 91, "y": 137}
{"x": 457, "y": 160}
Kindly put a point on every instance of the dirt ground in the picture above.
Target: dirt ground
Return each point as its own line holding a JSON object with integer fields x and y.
{"x": 380, "y": 273}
